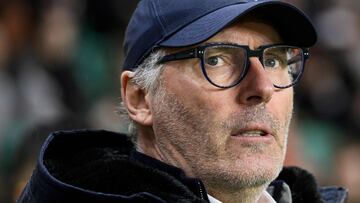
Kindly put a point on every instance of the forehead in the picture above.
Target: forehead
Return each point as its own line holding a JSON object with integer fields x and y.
{"x": 249, "y": 31}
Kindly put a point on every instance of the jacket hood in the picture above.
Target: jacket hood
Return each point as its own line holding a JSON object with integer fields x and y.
{"x": 101, "y": 166}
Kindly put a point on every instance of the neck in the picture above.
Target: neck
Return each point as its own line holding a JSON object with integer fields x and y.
{"x": 243, "y": 195}
{"x": 145, "y": 144}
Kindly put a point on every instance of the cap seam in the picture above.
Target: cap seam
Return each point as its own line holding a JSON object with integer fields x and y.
{"x": 204, "y": 14}
{"x": 208, "y": 12}
{"x": 158, "y": 17}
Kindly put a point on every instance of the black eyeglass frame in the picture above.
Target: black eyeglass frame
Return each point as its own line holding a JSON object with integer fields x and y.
{"x": 198, "y": 52}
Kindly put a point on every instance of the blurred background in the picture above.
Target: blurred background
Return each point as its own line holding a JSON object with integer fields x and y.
{"x": 60, "y": 62}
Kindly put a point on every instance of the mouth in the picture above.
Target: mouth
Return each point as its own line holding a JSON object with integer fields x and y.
{"x": 253, "y": 136}
{"x": 253, "y": 132}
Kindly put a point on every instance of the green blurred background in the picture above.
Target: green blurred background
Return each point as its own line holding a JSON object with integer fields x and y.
{"x": 60, "y": 62}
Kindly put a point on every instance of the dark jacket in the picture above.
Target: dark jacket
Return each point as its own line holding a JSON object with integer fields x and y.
{"x": 101, "y": 166}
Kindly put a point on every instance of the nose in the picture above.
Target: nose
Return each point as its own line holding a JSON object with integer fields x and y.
{"x": 256, "y": 87}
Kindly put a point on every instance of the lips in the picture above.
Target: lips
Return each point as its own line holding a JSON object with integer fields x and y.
{"x": 254, "y": 131}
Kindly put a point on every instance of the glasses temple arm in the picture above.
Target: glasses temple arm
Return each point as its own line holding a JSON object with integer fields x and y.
{"x": 187, "y": 54}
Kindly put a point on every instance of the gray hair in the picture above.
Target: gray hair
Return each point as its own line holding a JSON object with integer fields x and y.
{"x": 147, "y": 77}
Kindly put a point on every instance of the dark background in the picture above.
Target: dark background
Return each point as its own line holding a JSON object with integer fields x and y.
{"x": 60, "y": 62}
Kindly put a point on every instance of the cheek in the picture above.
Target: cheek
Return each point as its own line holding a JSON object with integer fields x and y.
{"x": 281, "y": 105}
{"x": 193, "y": 90}
{"x": 285, "y": 98}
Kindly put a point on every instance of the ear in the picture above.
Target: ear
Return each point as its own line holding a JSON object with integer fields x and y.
{"x": 135, "y": 99}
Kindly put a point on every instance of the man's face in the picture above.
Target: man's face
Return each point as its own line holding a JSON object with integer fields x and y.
{"x": 233, "y": 137}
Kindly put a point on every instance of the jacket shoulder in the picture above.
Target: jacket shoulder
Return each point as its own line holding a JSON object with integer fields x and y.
{"x": 333, "y": 194}
{"x": 304, "y": 187}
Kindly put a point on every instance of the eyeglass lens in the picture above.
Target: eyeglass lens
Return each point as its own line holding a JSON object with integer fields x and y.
{"x": 225, "y": 65}
{"x": 283, "y": 64}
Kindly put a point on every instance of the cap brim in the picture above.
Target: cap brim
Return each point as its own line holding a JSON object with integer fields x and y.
{"x": 293, "y": 25}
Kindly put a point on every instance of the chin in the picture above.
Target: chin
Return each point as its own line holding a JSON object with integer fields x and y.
{"x": 245, "y": 173}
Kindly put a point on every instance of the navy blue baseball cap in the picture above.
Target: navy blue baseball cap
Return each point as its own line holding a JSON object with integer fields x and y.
{"x": 179, "y": 23}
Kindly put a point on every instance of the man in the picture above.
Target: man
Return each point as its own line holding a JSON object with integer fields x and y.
{"x": 207, "y": 86}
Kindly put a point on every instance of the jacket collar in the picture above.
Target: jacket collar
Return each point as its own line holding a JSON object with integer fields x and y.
{"x": 194, "y": 184}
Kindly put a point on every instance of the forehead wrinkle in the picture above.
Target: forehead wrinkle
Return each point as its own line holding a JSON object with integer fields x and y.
{"x": 251, "y": 33}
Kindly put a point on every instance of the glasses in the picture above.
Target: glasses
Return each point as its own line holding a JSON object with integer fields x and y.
{"x": 225, "y": 65}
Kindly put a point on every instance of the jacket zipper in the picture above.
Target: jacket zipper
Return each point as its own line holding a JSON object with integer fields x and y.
{"x": 201, "y": 190}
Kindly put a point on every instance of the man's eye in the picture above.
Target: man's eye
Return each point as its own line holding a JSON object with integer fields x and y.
{"x": 272, "y": 63}
{"x": 214, "y": 61}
